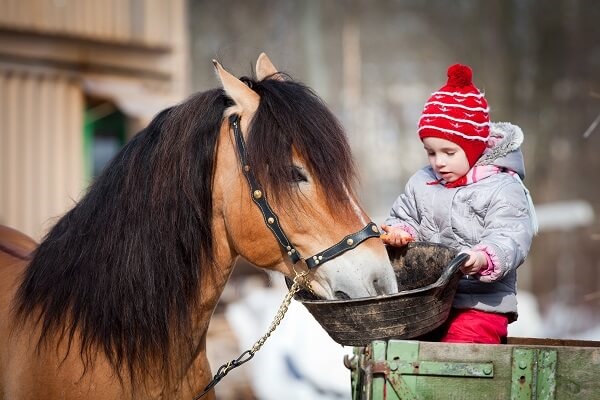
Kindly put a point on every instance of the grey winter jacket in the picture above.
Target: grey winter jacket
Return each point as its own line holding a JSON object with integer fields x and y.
{"x": 494, "y": 214}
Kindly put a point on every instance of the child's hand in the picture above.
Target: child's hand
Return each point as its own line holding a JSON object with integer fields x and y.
{"x": 395, "y": 236}
{"x": 477, "y": 260}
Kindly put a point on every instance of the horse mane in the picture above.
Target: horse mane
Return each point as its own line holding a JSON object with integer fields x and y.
{"x": 123, "y": 266}
{"x": 121, "y": 270}
{"x": 291, "y": 113}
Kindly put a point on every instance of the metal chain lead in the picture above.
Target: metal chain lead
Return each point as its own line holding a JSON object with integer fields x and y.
{"x": 281, "y": 312}
{"x": 248, "y": 354}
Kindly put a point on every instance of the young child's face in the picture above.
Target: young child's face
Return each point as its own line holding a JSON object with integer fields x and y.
{"x": 446, "y": 158}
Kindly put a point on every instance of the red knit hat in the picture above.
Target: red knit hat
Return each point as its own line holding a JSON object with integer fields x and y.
{"x": 458, "y": 112}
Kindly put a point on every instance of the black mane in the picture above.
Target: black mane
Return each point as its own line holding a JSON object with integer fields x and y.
{"x": 121, "y": 271}
{"x": 292, "y": 114}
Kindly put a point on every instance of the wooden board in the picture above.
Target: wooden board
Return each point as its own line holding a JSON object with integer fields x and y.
{"x": 523, "y": 369}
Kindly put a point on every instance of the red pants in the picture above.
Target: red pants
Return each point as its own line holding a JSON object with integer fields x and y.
{"x": 474, "y": 326}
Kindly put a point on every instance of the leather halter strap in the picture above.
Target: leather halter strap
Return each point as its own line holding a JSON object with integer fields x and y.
{"x": 259, "y": 197}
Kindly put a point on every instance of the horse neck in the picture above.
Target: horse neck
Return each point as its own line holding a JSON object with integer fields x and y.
{"x": 212, "y": 287}
{"x": 224, "y": 254}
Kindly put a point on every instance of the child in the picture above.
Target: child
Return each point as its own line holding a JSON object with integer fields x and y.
{"x": 472, "y": 199}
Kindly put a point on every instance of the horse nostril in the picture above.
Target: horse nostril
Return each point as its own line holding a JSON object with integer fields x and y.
{"x": 341, "y": 295}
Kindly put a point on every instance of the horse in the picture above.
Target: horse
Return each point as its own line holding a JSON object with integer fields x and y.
{"x": 115, "y": 301}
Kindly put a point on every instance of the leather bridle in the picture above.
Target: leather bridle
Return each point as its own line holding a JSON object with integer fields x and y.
{"x": 272, "y": 221}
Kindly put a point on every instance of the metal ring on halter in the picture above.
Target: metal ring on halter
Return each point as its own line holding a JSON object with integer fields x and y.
{"x": 300, "y": 277}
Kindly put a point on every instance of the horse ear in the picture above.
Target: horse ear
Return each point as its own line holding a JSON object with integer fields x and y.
{"x": 264, "y": 67}
{"x": 244, "y": 97}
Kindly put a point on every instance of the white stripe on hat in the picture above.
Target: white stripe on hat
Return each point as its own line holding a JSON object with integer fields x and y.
{"x": 477, "y": 95}
{"x": 439, "y": 103}
{"x": 453, "y": 132}
{"x": 466, "y": 121}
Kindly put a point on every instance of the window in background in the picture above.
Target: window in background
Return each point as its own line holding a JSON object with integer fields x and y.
{"x": 104, "y": 135}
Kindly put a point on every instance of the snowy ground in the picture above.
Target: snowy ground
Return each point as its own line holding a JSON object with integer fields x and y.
{"x": 299, "y": 361}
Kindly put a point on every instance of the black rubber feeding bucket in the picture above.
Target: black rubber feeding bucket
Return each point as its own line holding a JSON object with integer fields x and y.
{"x": 427, "y": 275}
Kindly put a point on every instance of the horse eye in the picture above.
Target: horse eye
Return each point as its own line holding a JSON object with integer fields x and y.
{"x": 297, "y": 175}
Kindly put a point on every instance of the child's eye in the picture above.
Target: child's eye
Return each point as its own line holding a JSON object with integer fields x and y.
{"x": 451, "y": 153}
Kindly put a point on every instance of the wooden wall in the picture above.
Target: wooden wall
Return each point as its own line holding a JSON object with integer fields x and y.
{"x": 142, "y": 22}
{"x": 55, "y": 54}
{"x": 41, "y": 151}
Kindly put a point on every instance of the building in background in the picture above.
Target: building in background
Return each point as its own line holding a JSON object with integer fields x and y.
{"x": 77, "y": 78}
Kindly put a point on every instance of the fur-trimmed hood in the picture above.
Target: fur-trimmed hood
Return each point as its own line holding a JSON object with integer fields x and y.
{"x": 505, "y": 151}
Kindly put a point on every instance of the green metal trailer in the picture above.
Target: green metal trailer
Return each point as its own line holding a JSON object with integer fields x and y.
{"x": 524, "y": 368}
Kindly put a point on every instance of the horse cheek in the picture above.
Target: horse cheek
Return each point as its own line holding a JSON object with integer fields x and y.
{"x": 251, "y": 238}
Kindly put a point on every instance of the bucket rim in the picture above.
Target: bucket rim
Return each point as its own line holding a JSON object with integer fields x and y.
{"x": 449, "y": 271}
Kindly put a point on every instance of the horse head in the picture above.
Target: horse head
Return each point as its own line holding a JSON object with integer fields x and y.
{"x": 298, "y": 157}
